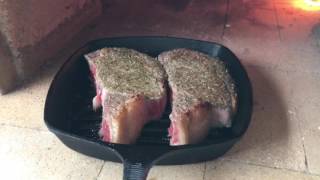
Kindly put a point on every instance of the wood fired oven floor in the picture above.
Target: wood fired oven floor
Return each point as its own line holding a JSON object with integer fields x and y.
{"x": 274, "y": 42}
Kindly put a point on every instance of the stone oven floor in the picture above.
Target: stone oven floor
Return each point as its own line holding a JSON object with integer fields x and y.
{"x": 273, "y": 40}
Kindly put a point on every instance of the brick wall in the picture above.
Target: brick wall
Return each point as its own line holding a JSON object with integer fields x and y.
{"x": 32, "y": 31}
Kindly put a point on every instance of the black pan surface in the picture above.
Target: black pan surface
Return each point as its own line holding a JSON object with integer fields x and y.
{"x": 69, "y": 115}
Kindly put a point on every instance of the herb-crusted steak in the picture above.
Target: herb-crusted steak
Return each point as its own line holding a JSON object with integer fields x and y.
{"x": 203, "y": 95}
{"x": 130, "y": 87}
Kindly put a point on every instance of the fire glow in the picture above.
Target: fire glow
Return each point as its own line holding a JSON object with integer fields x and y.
{"x": 307, "y": 5}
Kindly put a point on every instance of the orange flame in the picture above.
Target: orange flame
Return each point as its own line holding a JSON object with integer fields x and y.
{"x": 307, "y": 5}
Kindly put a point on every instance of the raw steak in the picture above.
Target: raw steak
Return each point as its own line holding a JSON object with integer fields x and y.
{"x": 202, "y": 95}
{"x": 130, "y": 87}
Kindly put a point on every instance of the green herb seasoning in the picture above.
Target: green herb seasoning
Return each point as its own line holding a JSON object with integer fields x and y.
{"x": 197, "y": 77}
{"x": 129, "y": 72}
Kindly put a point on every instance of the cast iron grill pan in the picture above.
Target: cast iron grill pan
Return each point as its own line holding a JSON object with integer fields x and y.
{"x": 69, "y": 115}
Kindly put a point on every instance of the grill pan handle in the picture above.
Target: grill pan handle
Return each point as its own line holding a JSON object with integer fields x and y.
{"x": 136, "y": 170}
{"x": 138, "y": 160}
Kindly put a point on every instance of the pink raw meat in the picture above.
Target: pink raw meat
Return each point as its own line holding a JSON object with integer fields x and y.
{"x": 130, "y": 87}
